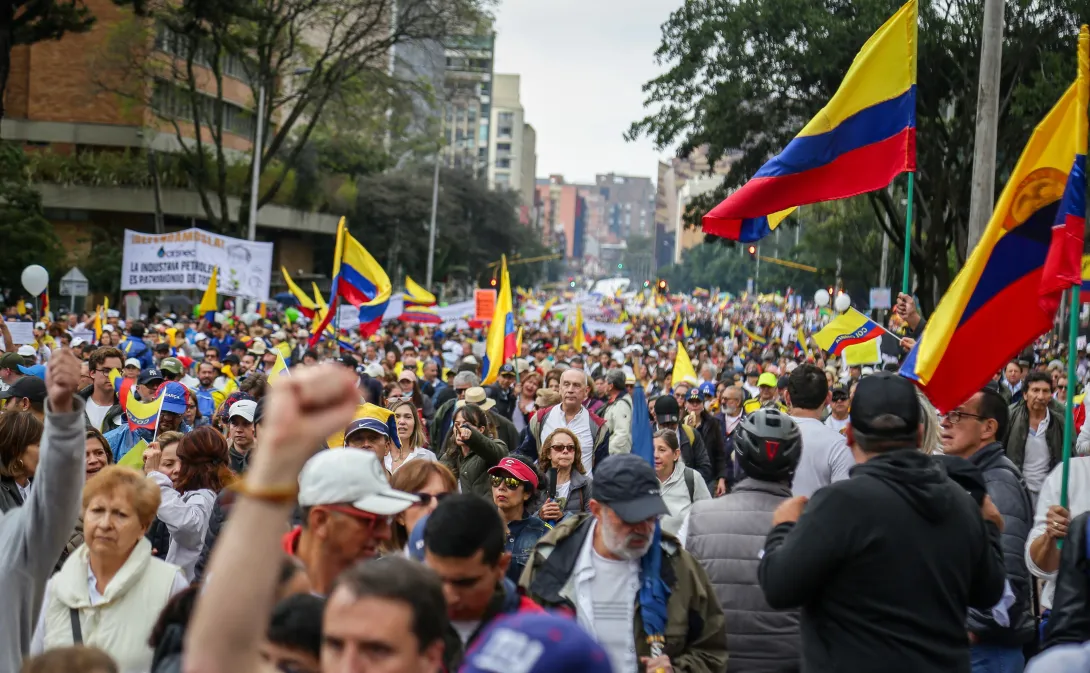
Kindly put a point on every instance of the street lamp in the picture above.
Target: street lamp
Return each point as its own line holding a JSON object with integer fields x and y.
{"x": 256, "y": 167}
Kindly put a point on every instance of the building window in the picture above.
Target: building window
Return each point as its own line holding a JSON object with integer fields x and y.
{"x": 505, "y": 122}
{"x": 503, "y": 163}
{"x": 502, "y": 180}
{"x": 503, "y": 147}
{"x": 171, "y": 102}
{"x": 232, "y": 65}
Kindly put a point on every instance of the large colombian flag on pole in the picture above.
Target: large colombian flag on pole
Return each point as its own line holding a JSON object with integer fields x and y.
{"x": 502, "y": 335}
{"x": 862, "y": 139}
{"x": 1031, "y": 251}
{"x": 359, "y": 280}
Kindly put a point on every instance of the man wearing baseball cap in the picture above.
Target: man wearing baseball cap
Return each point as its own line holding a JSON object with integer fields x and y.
{"x": 592, "y": 563}
{"x": 503, "y": 391}
{"x": 9, "y": 369}
{"x": 26, "y": 394}
{"x": 908, "y": 519}
{"x": 174, "y": 396}
{"x": 347, "y": 509}
{"x": 241, "y": 433}
{"x": 767, "y": 394}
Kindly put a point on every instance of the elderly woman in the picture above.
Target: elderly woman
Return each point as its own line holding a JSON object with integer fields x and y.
{"x": 20, "y": 435}
{"x": 189, "y": 474}
{"x": 567, "y": 486}
{"x": 110, "y": 592}
{"x": 410, "y": 430}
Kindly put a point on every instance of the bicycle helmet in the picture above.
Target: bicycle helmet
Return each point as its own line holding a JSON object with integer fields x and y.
{"x": 768, "y": 445}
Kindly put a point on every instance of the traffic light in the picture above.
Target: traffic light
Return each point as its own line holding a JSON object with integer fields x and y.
{"x": 752, "y": 250}
{"x": 620, "y": 265}
{"x": 571, "y": 282}
{"x": 663, "y": 287}
{"x": 646, "y": 284}
{"x": 492, "y": 282}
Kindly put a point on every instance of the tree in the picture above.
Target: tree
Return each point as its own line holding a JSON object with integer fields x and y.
{"x": 182, "y": 61}
{"x": 26, "y": 237}
{"x": 745, "y": 75}
{"x": 30, "y": 21}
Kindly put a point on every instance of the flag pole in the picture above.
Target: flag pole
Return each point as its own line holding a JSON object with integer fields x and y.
{"x": 908, "y": 232}
{"x": 1069, "y": 423}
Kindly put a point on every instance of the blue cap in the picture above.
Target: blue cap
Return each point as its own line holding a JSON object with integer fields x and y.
{"x": 415, "y": 547}
{"x": 36, "y": 370}
{"x": 174, "y": 397}
{"x": 536, "y": 642}
{"x": 374, "y": 425}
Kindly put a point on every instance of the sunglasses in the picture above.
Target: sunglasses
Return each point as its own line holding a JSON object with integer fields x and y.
{"x": 427, "y": 498}
{"x": 563, "y": 448}
{"x": 840, "y": 397}
{"x": 511, "y": 483}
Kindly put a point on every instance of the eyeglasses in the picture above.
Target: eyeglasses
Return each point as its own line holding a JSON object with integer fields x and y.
{"x": 511, "y": 483}
{"x": 563, "y": 448}
{"x": 954, "y": 417}
{"x": 427, "y": 498}
{"x": 461, "y": 391}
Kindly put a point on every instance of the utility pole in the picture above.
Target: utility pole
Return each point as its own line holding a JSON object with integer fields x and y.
{"x": 431, "y": 232}
{"x": 987, "y": 122}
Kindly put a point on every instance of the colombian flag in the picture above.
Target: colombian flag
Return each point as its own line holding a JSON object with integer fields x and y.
{"x": 501, "y": 333}
{"x": 800, "y": 343}
{"x": 579, "y": 337}
{"x": 306, "y": 305}
{"x": 419, "y": 304}
{"x": 847, "y": 329}
{"x": 753, "y": 336}
{"x": 1030, "y": 252}
{"x": 208, "y": 305}
{"x": 359, "y": 280}
{"x": 862, "y": 139}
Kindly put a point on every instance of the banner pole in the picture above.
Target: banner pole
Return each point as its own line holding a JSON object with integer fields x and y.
{"x": 1069, "y": 423}
{"x": 908, "y": 232}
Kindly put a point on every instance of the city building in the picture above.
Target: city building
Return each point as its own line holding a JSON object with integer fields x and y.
{"x": 467, "y": 121}
{"x": 505, "y": 153}
{"x": 630, "y": 204}
{"x": 76, "y": 125}
{"x": 559, "y": 209}
{"x": 679, "y": 181}
{"x": 528, "y": 166}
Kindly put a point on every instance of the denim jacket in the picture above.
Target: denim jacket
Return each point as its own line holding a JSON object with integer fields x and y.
{"x": 522, "y": 535}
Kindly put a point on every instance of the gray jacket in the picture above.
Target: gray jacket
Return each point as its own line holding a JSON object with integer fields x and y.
{"x": 727, "y": 535}
{"x": 33, "y": 536}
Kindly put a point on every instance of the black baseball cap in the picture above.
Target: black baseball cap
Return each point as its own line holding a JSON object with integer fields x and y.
{"x": 695, "y": 396}
{"x": 12, "y": 361}
{"x": 885, "y": 407}
{"x": 150, "y": 374}
{"x": 507, "y": 369}
{"x": 30, "y": 387}
{"x": 628, "y": 485}
{"x": 666, "y": 409}
{"x": 837, "y": 391}
{"x": 231, "y": 359}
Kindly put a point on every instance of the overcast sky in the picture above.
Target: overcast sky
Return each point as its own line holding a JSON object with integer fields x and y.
{"x": 582, "y": 63}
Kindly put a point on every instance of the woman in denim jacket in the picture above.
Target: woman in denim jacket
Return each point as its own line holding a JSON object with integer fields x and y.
{"x": 515, "y": 491}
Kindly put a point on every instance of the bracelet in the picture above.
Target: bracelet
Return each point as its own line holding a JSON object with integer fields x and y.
{"x": 277, "y": 495}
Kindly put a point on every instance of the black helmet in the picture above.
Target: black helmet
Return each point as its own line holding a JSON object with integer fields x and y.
{"x": 768, "y": 445}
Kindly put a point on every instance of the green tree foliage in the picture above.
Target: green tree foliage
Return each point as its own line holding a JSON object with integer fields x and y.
{"x": 743, "y": 76}
{"x": 474, "y": 225}
{"x": 26, "y": 237}
{"x": 30, "y": 21}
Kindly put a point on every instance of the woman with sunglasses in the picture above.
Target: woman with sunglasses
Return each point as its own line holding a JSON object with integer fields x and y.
{"x": 567, "y": 486}
{"x": 429, "y": 481}
{"x": 410, "y": 430}
{"x": 515, "y": 492}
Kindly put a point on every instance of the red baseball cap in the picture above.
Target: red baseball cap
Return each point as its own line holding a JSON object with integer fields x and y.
{"x": 517, "y": 469}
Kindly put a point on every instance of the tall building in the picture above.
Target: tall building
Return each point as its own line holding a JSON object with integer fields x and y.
{"x": 559, "y": 210}
{"x": 680, "y": 180}
{"x": 505, "y": 151}
{"x": 468, "y": 94}
{"x": 630, "y": 209}
{"x": 528, "y": 166}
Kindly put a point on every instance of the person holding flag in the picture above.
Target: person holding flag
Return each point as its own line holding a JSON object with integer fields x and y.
{"x": 145, "y": 420}
{"x": 620, "y": 574}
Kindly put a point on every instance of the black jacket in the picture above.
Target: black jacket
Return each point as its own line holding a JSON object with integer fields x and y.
{"x": 1007, "y": 490}
{"x": 1069, "y": 622}
{"x": 711, "y": 432}
{"x": 695, "y": 454}
{"x": 885, "y": 566}
{"x": 505, "y": 400}
{"x": 1018, "y": 432}
{"x": 10, "y": 497}
{"x": 505, "y": 429}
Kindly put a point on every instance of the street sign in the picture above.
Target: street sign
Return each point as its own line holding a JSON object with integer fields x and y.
{"x": 74, "y": 283}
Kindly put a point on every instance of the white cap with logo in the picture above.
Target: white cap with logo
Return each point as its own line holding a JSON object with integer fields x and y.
{"x": 354, "y": 477}
{"x": 243, "y": 408}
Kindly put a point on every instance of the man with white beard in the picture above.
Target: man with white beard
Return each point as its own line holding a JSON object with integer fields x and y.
{"x": 592, "y": 564}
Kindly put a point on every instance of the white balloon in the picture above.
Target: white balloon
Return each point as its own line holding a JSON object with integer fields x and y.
{"x": 842, "y": 303}
{"x": 821, "y": 298}
{"x": 35, "y": 279}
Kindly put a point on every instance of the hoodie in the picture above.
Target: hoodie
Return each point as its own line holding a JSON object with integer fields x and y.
{"x": 884, "y": 566}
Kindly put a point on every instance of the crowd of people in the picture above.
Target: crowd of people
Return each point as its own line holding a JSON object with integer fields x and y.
{"x": 386, "y": 509}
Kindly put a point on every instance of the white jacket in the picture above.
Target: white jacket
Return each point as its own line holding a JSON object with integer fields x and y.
{"x": 676, "y": 494}
{"x": 186, "y": 517}
{"x": 1078, "y": 501}
{"x": 120, "y": 620}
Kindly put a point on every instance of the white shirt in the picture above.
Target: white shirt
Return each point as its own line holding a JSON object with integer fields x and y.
{"x": 24, "y": 491}
{"x": 1078, "y": 501}
{"x": 465, "y": 629}
{"x": 612, "y": 591}
{"x": 825, "y": 457}
{"x": 562, "y": 490}
{"x": 186, "y": 517}
{"x": 838, "y": 426}
{"x": 676, "y": 496}
{"x": 96, "y": 413}
{"x": 1035, "y": 465}
{"x": 580, "y": 425}
{"x": 418, "y": 452}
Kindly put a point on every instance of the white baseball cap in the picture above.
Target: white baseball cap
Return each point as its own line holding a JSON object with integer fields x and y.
{"x": 354, "y": 477}
{"x": 132, "y": 362}
{"x": 27, "y": 351}
{"x": 39, "y": 325}
{"x": 244, "y": 408}
{"x": 107, "y": 328}
{"x": 77, "y": 342}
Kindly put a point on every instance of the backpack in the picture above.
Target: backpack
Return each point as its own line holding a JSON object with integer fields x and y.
{"x": 690, "y": 483}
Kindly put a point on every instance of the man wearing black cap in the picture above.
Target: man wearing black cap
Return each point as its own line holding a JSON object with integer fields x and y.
{"x": 148, "y": 383}
{"x": 26, "y": 394}
{"x": 503, "y": 391}
{"x": 693, "y": 452}
{"x": 591, "y": 564}
{"x": 885, "y": 564}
